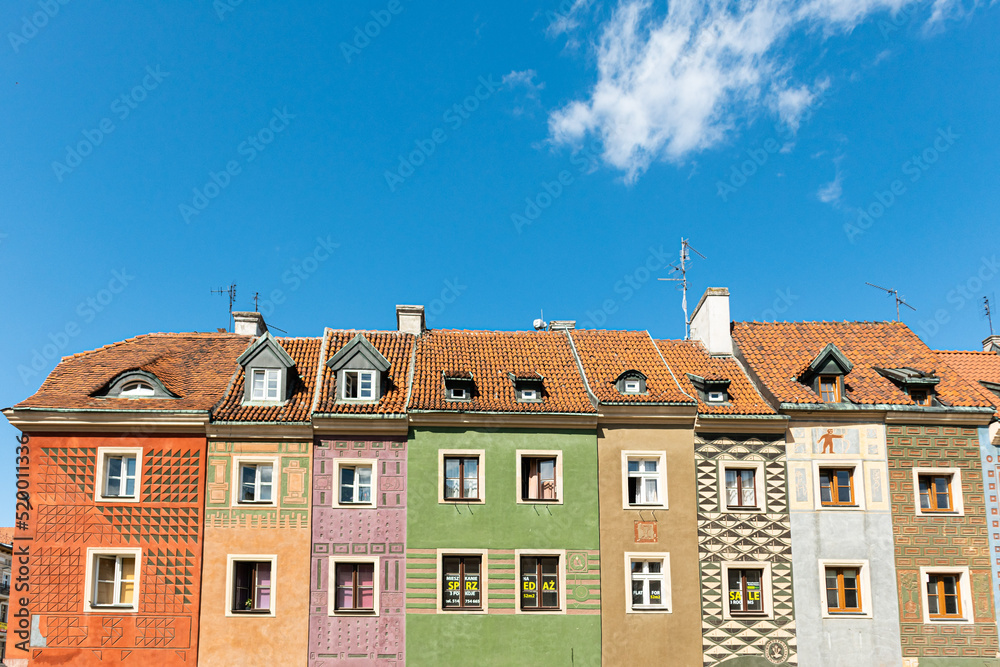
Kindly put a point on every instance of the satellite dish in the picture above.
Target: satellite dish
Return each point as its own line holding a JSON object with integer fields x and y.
{"x": 539, "y": 324}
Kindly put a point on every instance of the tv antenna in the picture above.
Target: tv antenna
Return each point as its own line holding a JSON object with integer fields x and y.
{"x": 686, "y": 251}
{"x": 256, "y": 300}
{"x": 232, "y": 296}
{"x": 894, "y": 293}
{"x": 988, "y": 312}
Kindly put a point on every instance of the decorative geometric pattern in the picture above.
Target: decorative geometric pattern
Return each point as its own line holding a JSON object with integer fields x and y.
{"x": 154, "y": 632}
{"x": 111, "y": 630}
{"x": 66, "y": 475}
{"x": 172, "y": 475}
{"x": 168, "y": 580}
{"x": 57, "y": 585}
{"x": 724, "y": 536}
{"x": 952, "y": 541}
{"x": 64, "y": 631}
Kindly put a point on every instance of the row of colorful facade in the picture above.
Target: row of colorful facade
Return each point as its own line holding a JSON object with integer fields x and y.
{"x": 762, "y": 494}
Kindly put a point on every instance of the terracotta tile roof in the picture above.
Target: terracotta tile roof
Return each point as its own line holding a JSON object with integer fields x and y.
{"x": 491, "y": 356}
{"x": 975, "y": 367}
{"x": 305, "y": 353}
{"x": 780, "y": 352}
{"x": 690, "y": 356}
{"x": 7, "y": 535}
{"x": 605, "y": 355}
{"x": 197, "y": 367}
{"x": 394, "y": 346}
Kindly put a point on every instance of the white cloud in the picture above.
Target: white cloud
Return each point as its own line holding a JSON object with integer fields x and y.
{"x": 524, "y": 79}
{"x": 566, "y": 17}
{"x": 832, "y": 191}
{"x": 669, "y": 85}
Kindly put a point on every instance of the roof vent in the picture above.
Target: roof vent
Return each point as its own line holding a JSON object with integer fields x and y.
{"x": 249, "y": 323}
{"x": 562, "y": 325}
{"x": 992, "y": 344}
{"x": 410, "y": 319}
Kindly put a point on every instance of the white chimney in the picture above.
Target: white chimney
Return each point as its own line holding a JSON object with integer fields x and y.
{"x": 710, "y": 321}
{"x": 249, "y": 323}
{"x": 410, "y": 319}
{"x": 992, "y": 344}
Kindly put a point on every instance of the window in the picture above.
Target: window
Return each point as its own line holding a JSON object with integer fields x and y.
{"x": 843, "y": 594}
{"x": 458, "y": 393}
{"x": 716, "y": 397}
{"x": 3, "y": 613}
{"x": 359, "y": 385}
{"x": 255, "y": 483}
{"x": 643, "y": 481}
{"x": 461, "y": 475}
{"x": 252, "y": 590}
{"x": 357, "y": 482}
{"x": 947, "y": 595}
{"x": 836, "y": 486}
{"x": 266, "y": 383}
{"x": 119, "y": 474}
{"x": 741, "y": 488}
{"x": 920, "y": 396}
{"x": 539, "y": 476}
{"x": 647, "y": 575}
{"x": 529, "y": 395}
{"x": 540, "y": 590}
{"x": 136, "y": 390}
{"x": 354, "y": 587}
{"x": 632, "y": 387}
{"x": 829, "y": 388}
{"x": 938, "y": 491}
{"x": 461, "y": 583}
{"x": 746, "y": 593}
{"x": 112, "y": 579}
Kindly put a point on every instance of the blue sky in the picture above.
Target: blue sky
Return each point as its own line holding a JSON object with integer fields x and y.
{"x": 489, "y": 162}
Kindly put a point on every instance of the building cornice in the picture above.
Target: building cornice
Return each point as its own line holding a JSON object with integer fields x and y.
{"x": 358, "y": 424}
{"x": 37, "y": 420}
{"x": 496, "y": 420}
{"x": 270, "y": 431}
{"x": 750, "y": 424}
{"x": 663, "y": 415}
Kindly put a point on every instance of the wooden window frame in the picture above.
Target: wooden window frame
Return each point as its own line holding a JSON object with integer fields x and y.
{"x": 560, "y": 558}
{"x": 739, "y": 488}
{"x": 836, "y": 388}
{"x": 863, "y": 583}
{"x": 334, "y": 561}
{"x": 522, "y": 456}
{"x": 666, "y": 606}
{"x": 230, "y": 599}
{"x": 483, "y": 555}
{"x": 965, "y": 613}
{"x": 463, "y": 583}
{"x": 443, "y": 455}
{"x": 834, "y": 488}
{"x": 767, "y": 590}
{"x": 956, "y": 497}
{"x": 926, "y": 401}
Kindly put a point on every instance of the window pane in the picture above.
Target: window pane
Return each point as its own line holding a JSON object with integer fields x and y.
{"x": 633, "y": 465}
{"x": 265, "y": 492}
{"x": 365, "y": 475}
{"x": 127, "y": 590}
{"x": 529, "y": 582}
{"x": 470, "y": 488}
{"x": 265, "y": 473}
{"x": 346, "y": 485}
{"x": 633, "y": 490}
{"x": 655, "y": 594}
{"x": 932, "y": 596}
{"x": 451, "y": 488}
{"x": 653, "y": 566}
{"x": 649, "y": 465}
{"x": 754, "y": 592}
{"x": 471, "y": 468}
{"x": 735, "y": 590}
{"x": 366, "y": 598}
{"x": 638, "y": 589}
{"x": 941, "y": 487}
{"x": 451, "y": 469}
{"x": 844, "y": 486}
{"x": 366, "y": 574}
{"x": 651, "y": 491}
{"x": 249, "y": 474}
{"x": 106, "y": 569}
{"x": 950, "y": 587}
{"x": 105, "y": 593}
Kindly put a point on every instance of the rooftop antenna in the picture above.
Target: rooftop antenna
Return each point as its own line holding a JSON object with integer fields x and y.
{"x": 686, "y": 251}
{"x": 540, "y": 323}
{"x": 895, "y": 294}
{"x": 989, "y": 313}
{"x": 232, "y": 296}
{"x": 256, "y": 300}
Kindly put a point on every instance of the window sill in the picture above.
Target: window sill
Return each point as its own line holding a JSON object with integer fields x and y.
{"x": 733, "y": 510}
{"x": 644, "y": 609}
{"x": 111, "y": 608}
{"x": 540, "y": 501}
{"x": 117, "y": 499}
{"x": 256, "y": 502}
{"x": 251, "y": 612}
{"x": 354, "y": 612}
{"x": 461, "y": 500}
{"x": 839, "y": 507}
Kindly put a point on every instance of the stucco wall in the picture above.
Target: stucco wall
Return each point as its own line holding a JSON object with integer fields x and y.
{"x": 844, "y": 535}
{"x": 989, "y": 457}
{"x": 379, "y": 531}
{"x": 648, "y": 638}
{"x": 64, "y": 521}
{"x": 281, "y": 530}
{"x": 499, "y": 526}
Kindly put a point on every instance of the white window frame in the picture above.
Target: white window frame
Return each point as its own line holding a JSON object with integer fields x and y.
{"x": 864, "y": 581}
{"x": 633, "y": 386}
{"x": 331, "y": 609}
{"x": 101, "y": 480}
{"x": 715, "y": 397}
{"x": 265, "y": 394}
{"x": 483, "y": 579}
{"x": 528, "y": 395}
{"x": 137, "y": 389}
{"x": 90, "y": 580}
{"x": 561, "y": 554}
{"x": 957, "y": 500}
{"x": 239, "y": 462}
{"x": 481, "y": 469}
{"x": 539, "y": 454}
{"x": 358, "y": 373}
{"x": 666, "y": 590}
{"x": 858, "y": 480}
{"x": 661, "y": 465}
{"x": 355, "y": 463}
{"x": 964, "y": 594}
{"x": 231, "y": 560}
{"x": 760, "y": 488}
{"x": 453, "y": 393}
{"x": 766, "y": 589}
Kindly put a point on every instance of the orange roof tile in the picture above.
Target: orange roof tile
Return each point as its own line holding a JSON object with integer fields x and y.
{"x": 780, "y": 352}
{"x": 605, "y": 355}
{"x": 491, "y": 356}
{"x": 196, "y": 367}
{"x": 394, "y": 346}
{"x": 305, "y": 353}
{"x": 690, "y": 356}
{"x": 976, "y": 367}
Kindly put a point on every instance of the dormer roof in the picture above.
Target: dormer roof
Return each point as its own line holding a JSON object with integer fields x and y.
{"x": 266, "y": 342}
{"x": 359, "y": 353}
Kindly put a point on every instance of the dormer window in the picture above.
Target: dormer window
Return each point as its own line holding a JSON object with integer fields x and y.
{"x": 135, "y": 383}
{"x": 359, "y": 385}
{"x": 631, "y": 382}
{"x": 137, "y": 390}
{"x": 829, "y": 388}
{"x": 361, "y": 371}
{"x": 632, "y": 387}
{"x": 826, "y": 374}
{"x": 712, "y": 389}
{"x": 917, "y": 385}
{"x": 528, "y": 386}
{"x": 458, "y": 394}
{"x": 458, "y": 385}
{"x": 266, "y": 384}
{"x": 528, "y": 394}
{"x": 269, "y": 371}
{"x": 920, "y": 396}
{"x": 716, "y": 397}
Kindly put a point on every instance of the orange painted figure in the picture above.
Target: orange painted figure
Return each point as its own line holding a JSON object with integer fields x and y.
{"x": 827, "y": 441}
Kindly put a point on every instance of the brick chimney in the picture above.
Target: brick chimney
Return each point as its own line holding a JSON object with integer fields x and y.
{"x": 710, "y": 321}
{"x": 410, "y": 319}
{"x": 249, "y": 323}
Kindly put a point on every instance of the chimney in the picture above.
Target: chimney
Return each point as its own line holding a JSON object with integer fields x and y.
{"x": 249, "y": 323}
{"x": 562, "y": 325}
{"x": 992, "y": 344}
{"x": 710, "y": 321}
{"x": 410, "y": 319}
